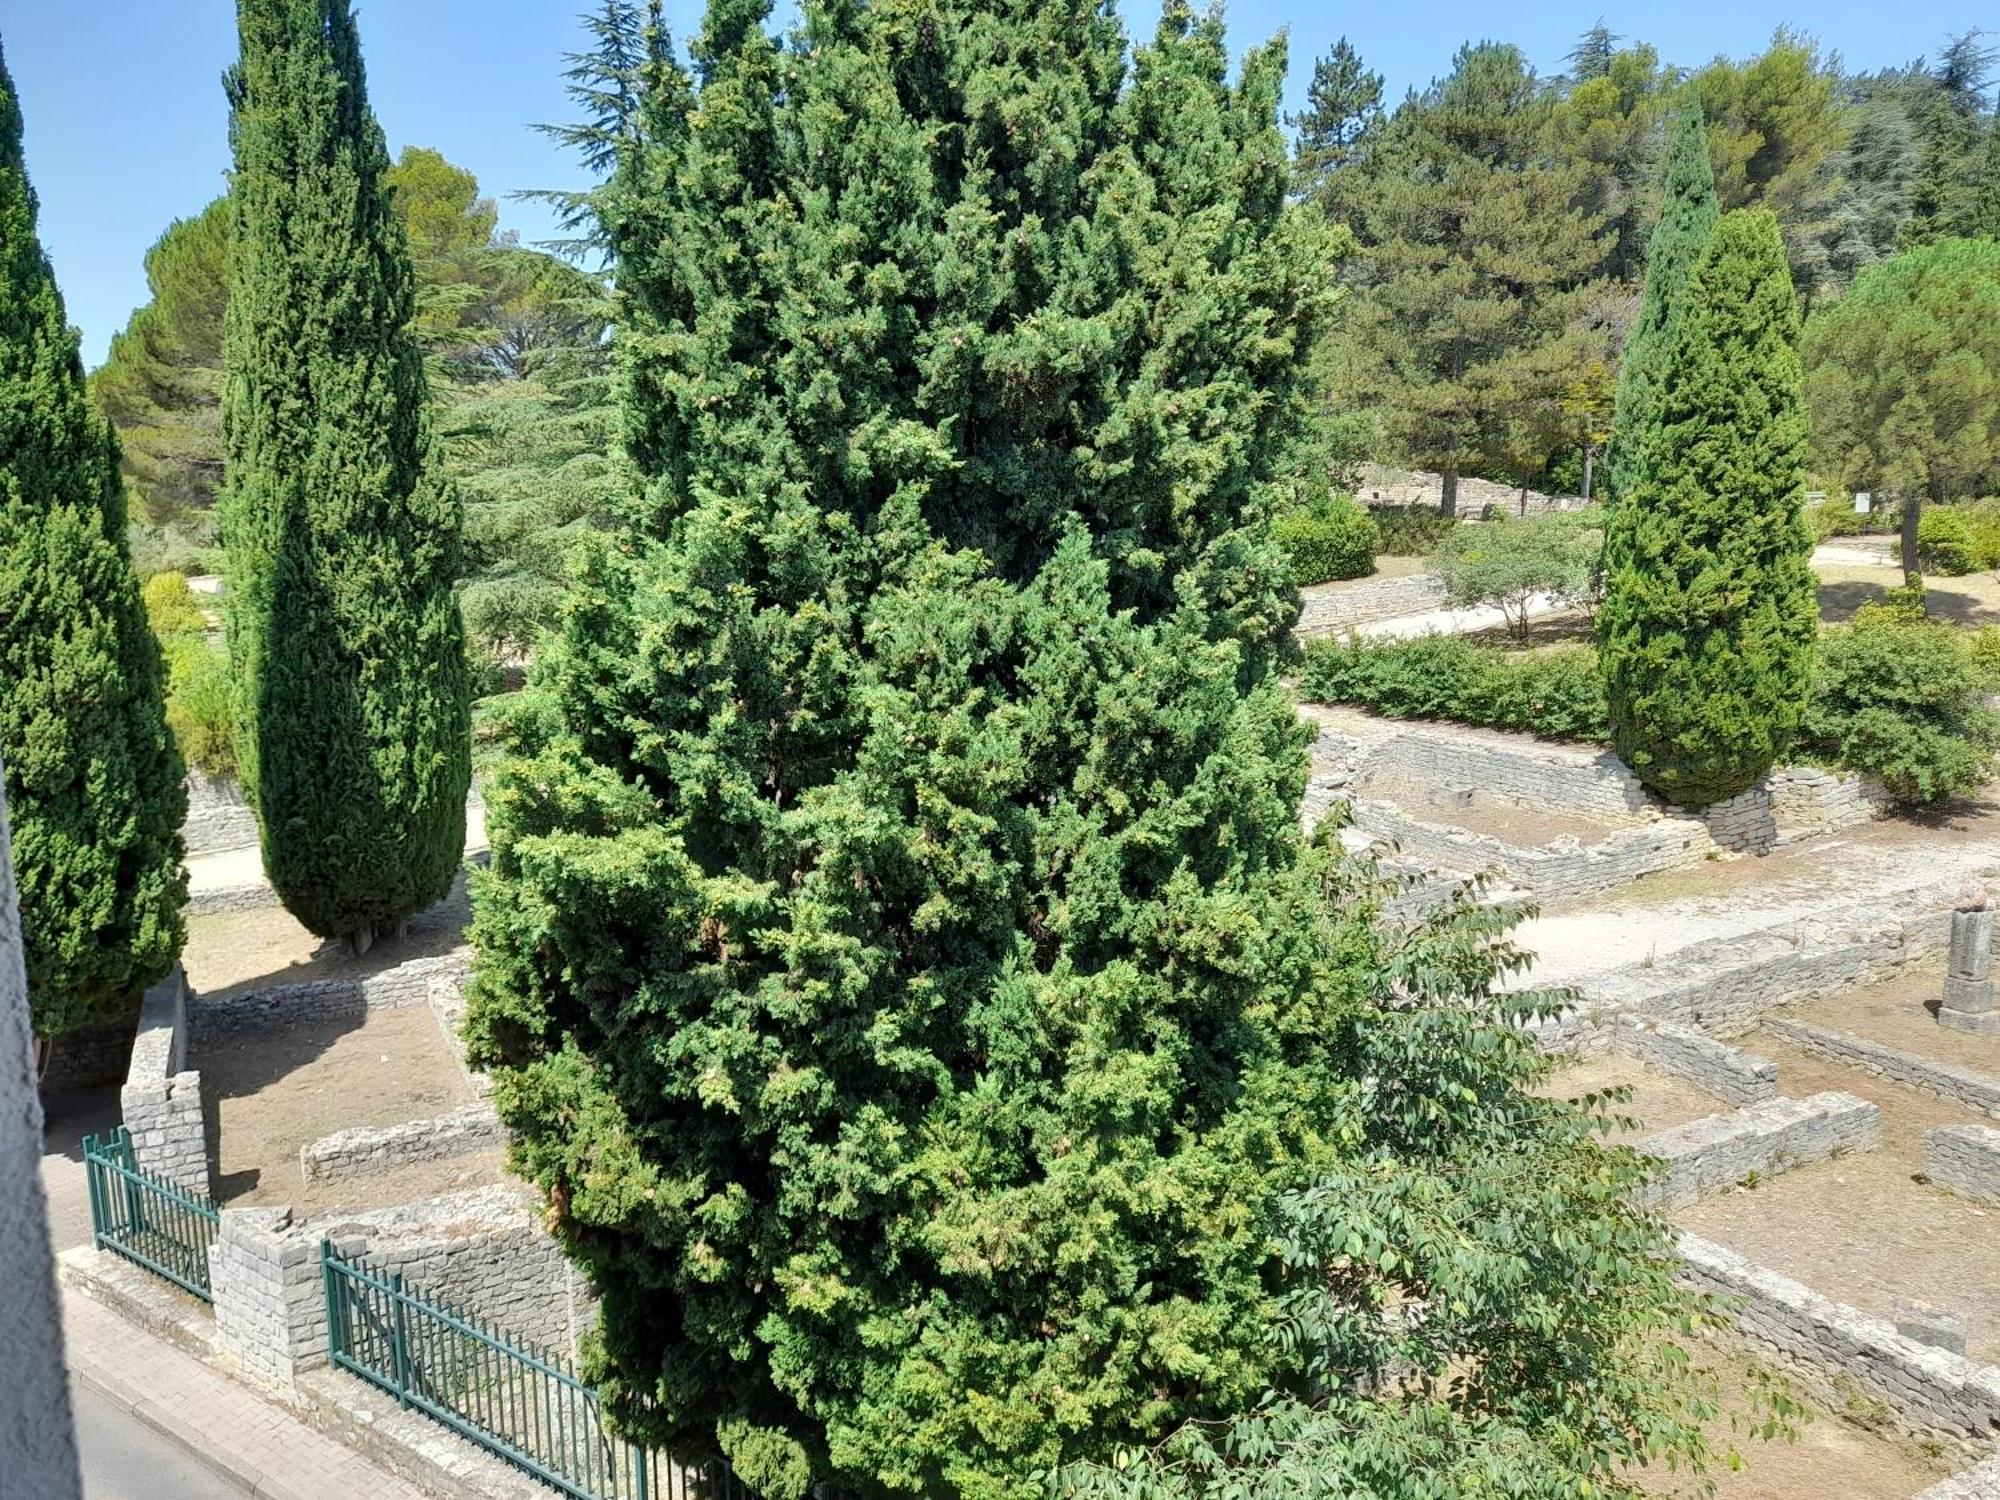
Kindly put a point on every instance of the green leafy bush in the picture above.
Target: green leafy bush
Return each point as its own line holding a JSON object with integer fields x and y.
{"x": 1330, "y": 539}
{"x": 1507, "y": 564}
{"x": 1410, "y": 530}
{"x": 1555, "y": 693}
{"x": 1901, "y": 697}
{"x": 171, "y": 607}
{"x": 199, "y": 709}
{"x": 1946, "y": 543}
{"x": 1839, "y": 518}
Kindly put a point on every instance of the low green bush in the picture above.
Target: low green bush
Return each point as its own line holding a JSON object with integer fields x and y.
{"x": 1838, "y": 517}
{"x": 1946, "y": 543}
{"x": 199, "y": 711}
{"x": 1410, "y": 530}
{"x": 1902, "y": 697}
{"x": 1330, "y": 539}
{"x": 171, "y": 607}
{"x": 1507, "y": 564}
{"x": 1554, "y": 693}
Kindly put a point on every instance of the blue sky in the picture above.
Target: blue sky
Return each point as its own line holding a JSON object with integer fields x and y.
{"x": 126, "y": 128}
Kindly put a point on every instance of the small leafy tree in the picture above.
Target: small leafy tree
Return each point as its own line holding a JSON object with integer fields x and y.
{"x": 1710, "y": 609}
{"x": 1509, "y": 565}
{"x": 1903, "y": 374}
{"x": 92, "y": 777}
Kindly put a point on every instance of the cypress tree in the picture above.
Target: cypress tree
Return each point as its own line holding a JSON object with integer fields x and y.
{"x": 1687, "y": 218}
{"x": 341, "y": 533}
{"x": 1982, "y": 215}
{"x": 896, "y": 960}
{"x": 92, "y": 776}
{"x": 1709, "y": 611}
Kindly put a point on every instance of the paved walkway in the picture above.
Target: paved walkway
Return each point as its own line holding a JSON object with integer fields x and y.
{"x": 258, "y": 1447}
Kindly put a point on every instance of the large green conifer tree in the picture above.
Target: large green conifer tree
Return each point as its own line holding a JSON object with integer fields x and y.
{"x": 899, "y": 964}
{"x": 1709, "y": 608}
{"x": 1687, "y": 218}
{"x": 92, "y": 775}
{"x": 342, "y": 534}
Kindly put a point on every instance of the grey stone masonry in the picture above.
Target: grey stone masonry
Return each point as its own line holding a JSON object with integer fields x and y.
{"x": 1946, "y": 1080}
{"x": 218, "y": 817}
{"x": 270, "y": 1302}
{"x": 161, "y": 1099}
{"x": 1728, "y": 1072}
{"x": 379, "y": 1148}
{"x": 1937, "y": 1326}
{"x": 1964, "y": 1158}
{"x": 1329, "y": 608}
{"x": 1980, "y": 1482}
{"x": 1931, "y": 1391}
{"x": 1708, "y": 1155}
{"x": 1968, "y": 977}
{"x": 408, "y": 983}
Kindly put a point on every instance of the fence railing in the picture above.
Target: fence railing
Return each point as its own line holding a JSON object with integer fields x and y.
{"x": 158, "y": 1224}
{"x": 505, "y": 1394}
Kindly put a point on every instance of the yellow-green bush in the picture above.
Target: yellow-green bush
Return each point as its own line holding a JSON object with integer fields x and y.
{"x": 198, "y": 706}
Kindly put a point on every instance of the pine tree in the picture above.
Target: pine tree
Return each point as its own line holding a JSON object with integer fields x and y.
{"x": 92, "y": 776}
{"x": 1982, "y": 216}
{"x": 1343, "y": 104}
{"x": 342, "y": 535}
{"x": 1709, "y": 611}
{"x": 1687, "y": 218}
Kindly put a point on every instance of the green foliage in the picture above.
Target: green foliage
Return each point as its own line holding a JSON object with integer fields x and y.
{"x": 92, "y": 781}
{"x": 1687, "y": 219}
{"x": 343, "y": 536}
{"x": 201, "y": 709}
{"x": 1836, "y": 518}
{"x": 161, "y": 386}
{"x": 1982, "y": 214}
{"x": 1954, "y": 540}
{"x": 1331, "y": 538}
{"x": 1410, "y": 530}
{"x": 1904, "y": 374}
{"x": 1555, "y": 693}
{"x": 1504, "y": 1219}
{"x": 1507, "y": 564}
{"x": 1710, "y": 609}
{"x": 1901, "y": 696}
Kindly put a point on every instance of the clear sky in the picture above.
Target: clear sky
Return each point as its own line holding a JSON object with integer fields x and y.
{"x": 126, "y": 129}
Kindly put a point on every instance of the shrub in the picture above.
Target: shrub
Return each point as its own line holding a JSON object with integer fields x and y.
{"x": 1901, "y": 697}
{"x": 200, "y": 710}
{"x": 1507, "y": 564}
{"x": 1837, "y": 518}
{"x": 1330, "y": 539}
{"x": 1946, "y": 543}
{"x": 1555, "y": 693}
{"x": 1410, "y": 530}
{"x": 171, "y": 607}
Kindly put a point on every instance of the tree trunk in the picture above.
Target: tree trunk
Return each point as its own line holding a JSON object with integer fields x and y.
{"x": 1448, "y": 503}
{"x": 1524, "y": 496}
{"x": 1913, "y": 510}
{"x": 1589, "y": 470}
{"x": 361, "y": 940}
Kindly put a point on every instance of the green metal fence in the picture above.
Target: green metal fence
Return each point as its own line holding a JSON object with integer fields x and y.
{"x": 503, "y": 1393}
{"x": 161, "y": 1225}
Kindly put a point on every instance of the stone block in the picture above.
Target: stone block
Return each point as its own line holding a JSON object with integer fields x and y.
{"x": 1928, "y": 1324}
{"x": 1710, "y": 1155}
{"x": 1964, "y": 1159}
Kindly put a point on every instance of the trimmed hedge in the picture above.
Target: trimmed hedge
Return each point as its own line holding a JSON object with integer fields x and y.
{"x": 1958, "y": 539}
{"x": 1410, "y": 530}
{"x": 1329, "y": 540}
{"x": 1554, "y": 693}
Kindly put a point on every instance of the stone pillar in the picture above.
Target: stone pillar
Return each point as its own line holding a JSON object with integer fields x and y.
{"x": 37, "y": 1438}
{"x": 1968, "y": 981}
{"x": 270, "y": 1302}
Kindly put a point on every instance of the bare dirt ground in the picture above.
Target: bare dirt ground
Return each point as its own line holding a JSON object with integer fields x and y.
{"x": 229, "y": 952}
{"x": 1510, "y": 822}
{"x": 1861, "y": 1228}
{"x": 1661, "y": 914}
{"x": 1971, "y": 600}
{"x": 1833, "y": 1458}
{"x": 277, "y": 1087}
{"x": 1657, "y": 1102}
{"x": 1394, "y": 567}
{"x": 1903, "y": 1014}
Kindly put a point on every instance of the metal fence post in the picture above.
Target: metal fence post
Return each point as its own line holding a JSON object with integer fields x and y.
{"x": 644, "y": 1489}
{"x": 402, "y": 1349}
{"x": 330, "y": 1287}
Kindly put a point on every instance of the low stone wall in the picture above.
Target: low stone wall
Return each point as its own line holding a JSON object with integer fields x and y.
{"x": 161, "y": 1099}
{"x": 217, "y": 817}
{"x": 1793, "y": 803}
{"x": 408, "y": 983}
{"x": 1730, "y": 1073}
{"x": 89, "y": 1058}
{"x": 370, "y": 1149}
{"x": 1960, "y": 1085}
{"x": 1980, "y": 1482}
{"x": 1513, "y": 768}
{"x": 1964, "y": 1158}
{"x": 1329, "y": 608}
{"x": 1931, "y": 1391}
{"x": 1708, "y": 1155}
{"x": 1378, "y": 484}
{"x": 485, "y": 1252}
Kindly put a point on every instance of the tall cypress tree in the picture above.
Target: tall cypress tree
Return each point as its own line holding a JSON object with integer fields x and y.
{"x": 93, "y": 779}
{"x": 1982, "y": 215}
{"x": 1687, "y": 218}
{"x": 1709, "y": 609}
{"x": 342, "y": 534}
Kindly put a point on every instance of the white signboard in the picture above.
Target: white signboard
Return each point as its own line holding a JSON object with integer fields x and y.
{"x": 1863, "y": 502}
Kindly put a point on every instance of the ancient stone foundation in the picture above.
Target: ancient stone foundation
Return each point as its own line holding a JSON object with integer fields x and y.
{"x": 1708, "y": 1155}
{"x": 1730, "y": 1073}
{"x": 1966, "y": 1159}
{"x": 1968, "y": 978}
{"x": 161, "y": 1099}
{"x": 369, "y": 1149}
